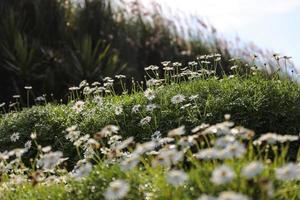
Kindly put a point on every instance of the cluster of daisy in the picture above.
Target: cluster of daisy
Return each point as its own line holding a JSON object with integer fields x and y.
{"x": 228, "y": 142}
{"x": 168, "y": 73}
{"x": 176, "y": 153}
{"x": 216, "y": 144}
{"x": 172, "y": 73}
{"x": 46, "y": 167}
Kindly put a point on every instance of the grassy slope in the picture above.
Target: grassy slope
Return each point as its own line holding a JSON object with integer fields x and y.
{"x": 260, "y": 104}
{"x": 255, "y": 102}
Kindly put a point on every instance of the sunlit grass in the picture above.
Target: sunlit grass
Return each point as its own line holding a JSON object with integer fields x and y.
{"x": 157, "y": 143}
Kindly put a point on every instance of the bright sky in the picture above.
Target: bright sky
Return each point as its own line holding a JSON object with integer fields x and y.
{"x": 271, "y": 24}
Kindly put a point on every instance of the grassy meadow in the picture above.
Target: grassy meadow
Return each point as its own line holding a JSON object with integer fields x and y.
{"x": 92, "y": 111}
{"x": 191, "y": 134}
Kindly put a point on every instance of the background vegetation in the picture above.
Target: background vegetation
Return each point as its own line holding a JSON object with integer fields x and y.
{"x": 54, "y": 44}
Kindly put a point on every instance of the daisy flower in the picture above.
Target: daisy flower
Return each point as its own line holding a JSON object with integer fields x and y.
{"x": 145, "y": 121}
{"x": 176, "y": 177}
{"x": 14, "y": 137}
{"x": 78, "y": 106}
{"x": 178, "y": 99}
{"x": 222, "y": 175}
{"x": 288, "y": 172}
{"x": 252, "y": 170}
{"x": 150, "y": 94}
{"x": 117, "y": 189}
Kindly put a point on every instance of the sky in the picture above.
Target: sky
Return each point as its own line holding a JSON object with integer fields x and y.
{"x": 270, "y": 24}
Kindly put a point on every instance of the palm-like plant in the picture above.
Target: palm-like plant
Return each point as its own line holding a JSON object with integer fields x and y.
{"x": 90, "y": 60}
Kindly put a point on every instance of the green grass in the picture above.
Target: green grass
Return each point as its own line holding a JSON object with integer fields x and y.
{"x": 258, "y": 103}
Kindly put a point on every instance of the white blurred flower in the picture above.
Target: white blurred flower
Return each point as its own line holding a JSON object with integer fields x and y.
{"x": 117, "y": 189}
{"x": 152, "y": 68}
{"x": 166, "y": 63}
{"x": 193, "y": 97}
{"x": 17, "y": 152}
{"x": 156, "y": 135}
{"x": 222, "y": 175}
{"x": 235, "y": 150}
{"x": 177, "y": 132}
{"x": 177, "y": 64}
{"x": 89, "y": 153}
{"x": 80, "y": 141}
{"x": 176, "y": 177}
{"x": 98, "y": 100}
{"x": 73, "y": 88}
{"x": 120, "y": 76}
{"x": 28, "y": 145}
{"x": 252, "y": 170}
{"x": 82, "y": 169}
{"x": 78, "y": 106}
{"x": 107, "y": 131}
{"x": 124, "y": 144}
{"x": 50, "y": 160}
{"x": 168, "y": 68}
{"x": 33, "y": 136}
{"x": 151, "y": 107}
{"x": 270, "y": 138}
{"x": 230, "y": 195}
{"x": 130, "y": 162}
{"x": 15, "y": 136}
{"x": 206, "y": 197}
{"x": 73, "y": 134}
{"x": 83, "y": 83}
{"x": 136, "y": 108}
{"x": 150, "y": 94}
{"x": 273, "y": 138}
{"x": 145, "y": 147}
{"x": 208, "y": 154}
{"x": 234, "y": 67}
{"x": 219, "y": 129}
{"x": 28, "y": 87}
{"x": 199, "y": 128}
{"x": 46, "y": 149}
{"x": 224, "y": 141}
{"x": 242, "y": 132}
{"x": 288, "y": 138}
{"x": 178, "y": 99}
{"x": 114, "y": 140}
{"x": 118, "y": 110}
{"x": 92, "y": 143}
{"x": 4, "y": 155}
{"x": 288, "y": 172}
{"x": 145, "y": 121}
{"x": 166, "y": 157}
{"x": 185, "y": 106}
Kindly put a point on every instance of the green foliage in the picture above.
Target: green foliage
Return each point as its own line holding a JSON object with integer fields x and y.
{"x": 56, "y": 41}
{"x": 255, "y": 102}
{"x": 261, "y": 103}
{"x": 88, "y": 62}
